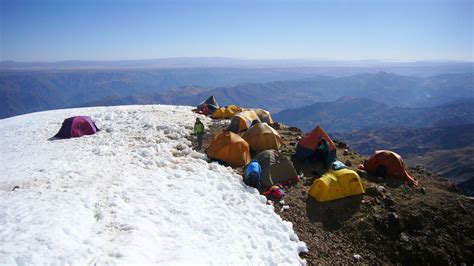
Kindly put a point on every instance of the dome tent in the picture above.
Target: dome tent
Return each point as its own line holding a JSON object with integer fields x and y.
{"x": 336, "y": 185}
{"x": 389, "y": 163}
{"x": 230, "y": 148}
{"x": 210, "y": 104}
{"x": 226, "y": 112}
{"x": 276, "y": 168}
{"x": 262, "y": 137}
{"x": 264, "y": 116}
{"x": 76, "y": 126}
{"x": 242, "y": 121}
{"x": 307, "y": 146}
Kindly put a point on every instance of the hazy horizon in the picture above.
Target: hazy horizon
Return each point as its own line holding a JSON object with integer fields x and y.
{"x": 383, "y": 60}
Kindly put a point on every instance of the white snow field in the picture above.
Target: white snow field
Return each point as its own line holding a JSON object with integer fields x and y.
{"x": 133, "y": 193}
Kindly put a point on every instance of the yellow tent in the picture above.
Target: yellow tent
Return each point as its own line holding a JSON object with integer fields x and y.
{"x": 226, "y": 112}
{"x": 230, "y": 148}
{"x": 242, "y": 121}
{"x": 264, "y": 116}
{"x": 336, "y": 184}
{"x": 262, "y": 137}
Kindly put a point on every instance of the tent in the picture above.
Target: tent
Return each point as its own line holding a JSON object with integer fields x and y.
{"x": 262, "y": 137}
{"x": 389, "y": 163}
{"x": 264, "y": 116}
{"x": 76, "y": 126}
{"x": 226, "y": 112}
{"x": 336, "y": 184}
{"x": 230, "y": 148}
{"x": 210, "y": 104}
{"x": 276, "y": 168}
{"x": 242, "y": 121}
{"x": 307, "y": 146}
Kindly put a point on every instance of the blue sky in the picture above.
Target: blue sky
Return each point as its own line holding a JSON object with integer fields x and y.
{"x": 48, "y": 30}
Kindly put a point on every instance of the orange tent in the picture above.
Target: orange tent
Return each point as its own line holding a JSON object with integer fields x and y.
{"x": 389, "y": 163}
{"x": 230, "y": 148}
{"x": 242, "y": 121}
{"x": 307, "y": 145}
{"x": 226, "y": 112}
{"x": 264, "y": 116}
{"x": 262, "y": 137}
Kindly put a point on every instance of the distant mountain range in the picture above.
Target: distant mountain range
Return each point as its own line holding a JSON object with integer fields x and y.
{"x": 390, "y": 89}
{"x": 347, "y": 114}
{"x": 449, "y": 150}
{"x": 29, "y": 91}
{"x": 317, "y": 66}
{"x": 408, "y": 140}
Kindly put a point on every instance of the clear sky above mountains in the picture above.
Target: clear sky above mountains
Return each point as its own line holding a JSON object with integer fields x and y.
{"x": 53, "y": 30}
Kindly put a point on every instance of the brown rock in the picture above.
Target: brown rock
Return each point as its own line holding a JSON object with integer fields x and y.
{"x": 414, "y": 222}
{"x": 395, "y": 224}
{"x": 294, "y": 129}
{"x": 423, "y": 190}
{"x": 341, "y": 145}
{"x": 453, "y": 188}
{"x": 376, "y": 191}
{"x": 276, "y": 125}
{"x": 404, "y": 238}
{"x": 362, "y": 173}
{"x": 388, "y": 201}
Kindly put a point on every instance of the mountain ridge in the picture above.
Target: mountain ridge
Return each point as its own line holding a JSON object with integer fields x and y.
{"x": 303, "y": 92}
{"x": 349, "y": 113}
{"x": 418, "y": 67}
{"x": 22, "y": 92}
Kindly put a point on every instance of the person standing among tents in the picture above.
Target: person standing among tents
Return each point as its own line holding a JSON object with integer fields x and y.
{"x": 199, "y": 131}
{"x": 253, "y": 172}
{"x": 322, "y": 151}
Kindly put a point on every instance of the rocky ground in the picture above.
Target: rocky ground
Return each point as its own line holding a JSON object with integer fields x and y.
{"x": 431, "y": 223}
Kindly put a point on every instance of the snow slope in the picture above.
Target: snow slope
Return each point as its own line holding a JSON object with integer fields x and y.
{"x": 133, "y": 193}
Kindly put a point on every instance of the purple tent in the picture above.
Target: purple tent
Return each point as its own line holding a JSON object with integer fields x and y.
{"x": 76, "y": 126}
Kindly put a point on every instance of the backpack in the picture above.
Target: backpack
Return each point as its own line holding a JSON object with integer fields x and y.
{"x": 275, "y": 192}
{"x": 253, "y": 180}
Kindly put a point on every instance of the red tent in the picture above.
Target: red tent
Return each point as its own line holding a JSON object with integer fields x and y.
{"x": 391, "y": 164}
{"x": 307, "y": 145}
{"x": 76, "y": 126}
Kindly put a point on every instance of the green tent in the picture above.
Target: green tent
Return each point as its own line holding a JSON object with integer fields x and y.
{"x": 276, "y": 168}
